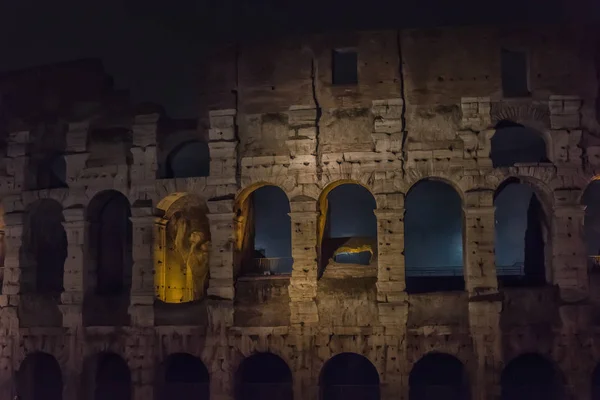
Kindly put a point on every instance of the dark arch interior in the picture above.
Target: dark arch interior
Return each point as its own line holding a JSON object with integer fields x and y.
{"x": 264, "y": 376}
{"x": 350, "y": 220}
{"x": 44, "y": 249}
{"x": 591, "y": 200}
{"x": 52, "y": 172}
{"x": 272, "y": 231}
{"x": 39, "y": 378}
{"x": 349, "y": 376}
{"x": 185, "y": 377}
{"x": 113, "y": 378}
{"x": 531, "y": 377}
{"x": 433, "y": 238}
{"x": 110, "y": 241}
{"x": 596, "y": 383}
{"x": 438, "y": 376}
{"x": 189, "y": 159}
{"x": 519, "y": 236}
{"x": 513, "y": 143}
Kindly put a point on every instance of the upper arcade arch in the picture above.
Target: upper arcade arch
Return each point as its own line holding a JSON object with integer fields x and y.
{"x": 39, "y": 378}
{"x": 263, "y": 376}
{"x": 263, "y": 231}
{"x": 181, "y": 249}
{"x": 349, "y": 376}
{"x": 110, "y": 242}
{"x": 347, "y": 226}
{"x": 521, "y": 235}
{"x": 188, "y": 159}
{"x": 433, "y": 237}
{"x": 513, "y": 143}
{"x": 436, "y": 376}
{"x": 531, "y": 377}
{"x": 182, "y": 376}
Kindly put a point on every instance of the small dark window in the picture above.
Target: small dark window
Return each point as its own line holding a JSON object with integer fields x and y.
{"x": 514, "y": 73}
{"x": 344, "y": 67}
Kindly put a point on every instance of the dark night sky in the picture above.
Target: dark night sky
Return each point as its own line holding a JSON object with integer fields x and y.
{"x": 153, "y": 47}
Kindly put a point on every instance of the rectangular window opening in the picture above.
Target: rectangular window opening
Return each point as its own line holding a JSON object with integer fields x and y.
{"x": 344, "y": 66}
{"x": 515, "y": 73}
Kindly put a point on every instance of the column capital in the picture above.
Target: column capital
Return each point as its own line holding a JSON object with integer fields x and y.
{"x": 388, "y": 213}
{"x": 485, "y": 210}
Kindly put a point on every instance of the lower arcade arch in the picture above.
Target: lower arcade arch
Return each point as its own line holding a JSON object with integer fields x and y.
{"x": 263, "y": 232}
{"x": 521, "y": 233}
{"x": 433, "y": 238}
{"x": 183, "y": 376}
{"x": 181, "y": 250}
{"x": 111, "y": 378}
{"x": 349, "y": 376}
{"x": 531, "y": 377}
{"x": 347, "y": 228}
{"x": 39, "y": 378}
{"x": 263, "y": 376}
{"x": 438, "y": 376}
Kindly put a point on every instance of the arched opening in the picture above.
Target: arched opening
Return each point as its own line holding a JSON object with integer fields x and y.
{"x": 183, "y": 377}
{"x": 520, "y": 235}
{"x": 52, "y": 172}
{"x": 264, "y": 232}
{"x": 595, "y": 387}
{"x": 110, "y": 242}
{"x": 39, "y": 378}
{"x": 591, "y": 224}
{"x": 347, "y": 227}
{"x": 112, "y": 378}
{"x": 438, "y": 376}
{"x": 349, "y": 376}
{"x": 44, "y": 248}
{"x": 189, "y": 159}
{"x": 514, "y": 144}
{"x": 433, "y": 238}
{"x": 264, "y": 376}
{"x": 531, "y": 377}
{"x": 182, "y": 234}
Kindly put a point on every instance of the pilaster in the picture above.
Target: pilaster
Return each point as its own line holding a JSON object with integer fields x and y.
{"x": 223, "y": 147}
{"x": 303, "y": 283}
{"x": 76, "y": 150}
{"x": 569, "y": 256}
{"x": 73, "y": 277}
{"x": 144, "y": 163}
{"x": 479, "y": 230}
{"x": 141, "y": 306}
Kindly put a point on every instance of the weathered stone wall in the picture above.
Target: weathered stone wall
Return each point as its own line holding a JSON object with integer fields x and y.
{"x": 425, "y": 107}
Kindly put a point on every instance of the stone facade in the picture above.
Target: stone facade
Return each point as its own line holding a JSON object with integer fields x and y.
{"x": 426, "y": 106}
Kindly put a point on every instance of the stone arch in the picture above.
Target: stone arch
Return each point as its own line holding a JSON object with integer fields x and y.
{"x": 263, "y": 376}
{"x": 531, "y": 377}
{"x": 340, "y": 238}
{"x": 39, "y": 378}
{"x": 183, "y": 376}
{"x": 263, "y": 231}
{"x": 109, "y": 242}
{"x": 522, "y": 235}
{"x": 188, "y": 159}
{"x": 181, "y": 249}
{"x": 514, "y": 143}
{"x": 349, "y": 376}
{"x": 433, "y": 237}
{"x": 44, "y": 248}
{"x": 436, "y": 376}
{"x": 107, "y": 377}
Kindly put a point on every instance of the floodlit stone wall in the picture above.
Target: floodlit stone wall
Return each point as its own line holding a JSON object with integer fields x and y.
{"x": 425, "y": 106}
